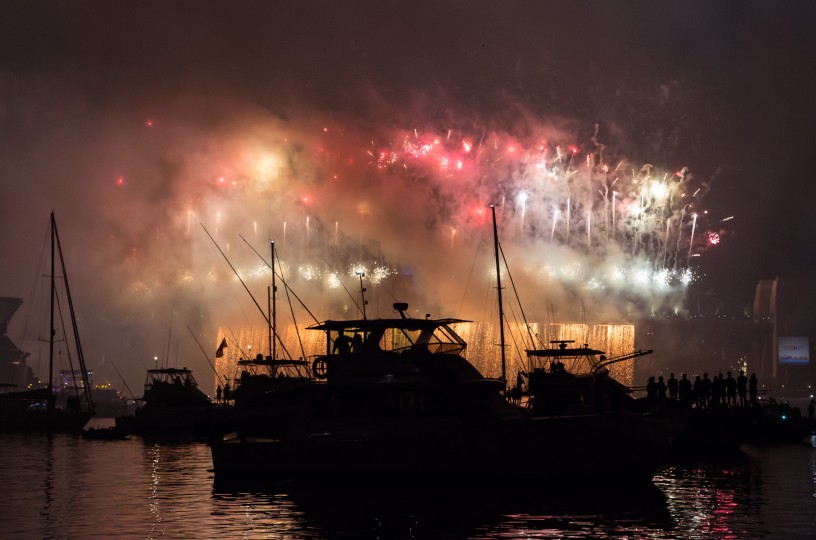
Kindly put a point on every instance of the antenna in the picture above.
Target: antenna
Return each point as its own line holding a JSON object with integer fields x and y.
{"x": 362, "y": 291}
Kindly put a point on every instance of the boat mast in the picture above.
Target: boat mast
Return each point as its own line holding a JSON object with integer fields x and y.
{"x": 77, "y": 343}
{"x": 51, "y": 327}
{"x": 501, "y": 307}
{"x": 362, "y": 291}
{"x": 274, "y": 324}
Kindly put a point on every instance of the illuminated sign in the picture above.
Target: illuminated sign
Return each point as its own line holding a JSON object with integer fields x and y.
{"x": 794, "y": 350}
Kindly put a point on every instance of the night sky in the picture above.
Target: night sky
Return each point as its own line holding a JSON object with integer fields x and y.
{"x": 125, "y": 117}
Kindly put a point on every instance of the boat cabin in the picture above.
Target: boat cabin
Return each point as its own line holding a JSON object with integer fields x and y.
{"x": 397, "y": 367}
{"x": 173, "y": 387}
{"x": 563, "y": 380}
{"x": 377, "y": 340}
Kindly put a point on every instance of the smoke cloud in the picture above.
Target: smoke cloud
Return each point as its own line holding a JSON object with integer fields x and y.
{"x": 350, "y": 158}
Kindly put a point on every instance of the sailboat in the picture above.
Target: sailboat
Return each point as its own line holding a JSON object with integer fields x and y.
{"x": 271, "y": 391}
{"x": 37, "y": 409}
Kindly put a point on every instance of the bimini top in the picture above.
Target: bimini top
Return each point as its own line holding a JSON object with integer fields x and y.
{"x": 403, "y": 335}
{"x": 562, "y": 351}
{"x": 368, "y": 325}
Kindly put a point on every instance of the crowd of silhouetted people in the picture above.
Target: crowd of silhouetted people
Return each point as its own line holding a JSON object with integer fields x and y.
{"x": 705, "y": 392}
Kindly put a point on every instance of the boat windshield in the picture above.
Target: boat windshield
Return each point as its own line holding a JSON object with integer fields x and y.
{"x": 393, "y": 335}
{"x": 180, "y": 377}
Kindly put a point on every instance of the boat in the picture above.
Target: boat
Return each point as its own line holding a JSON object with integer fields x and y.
{"x": 403, "y": 401}
{"x": 270, "y": 390}
{"x": 396, "y": 398}
{"x": 172, "y": 404}
{"x": 110, "y": 403}
{"x": 111, "y": 433}
{"x": 565, "y": 379}
{"x": 37, "y": 408}
{"x": 777, "y": 422}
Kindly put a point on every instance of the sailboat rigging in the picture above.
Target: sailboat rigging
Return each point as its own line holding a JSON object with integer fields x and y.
{"x": 24, "y": 410}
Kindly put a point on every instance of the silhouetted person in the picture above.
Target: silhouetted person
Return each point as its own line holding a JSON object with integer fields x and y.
{"x": 811, "y": 408}
{"x": 673, "y": 385}
{"x": 752, "y": 388}
{"x": 342, "y": 345}
{"x": 705, "y": 389}
{"x": 226, "y": 393}
{"x": 717, "y": 390}
{"x": 697, "y": 390}
{"x": 661, "y": 389}
{"x": 516, "y": 391}
{"x": 685, "y": 390}
{"x": 357, "y": 344}
{"x": 218, "y": 394}
{"x": 742, "y": 388}
{"x": 651, "y": 390}
{"x": 731, "y": 390}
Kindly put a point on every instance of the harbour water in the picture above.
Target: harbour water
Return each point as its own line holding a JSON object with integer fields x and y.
{"x": 63, "y": 486}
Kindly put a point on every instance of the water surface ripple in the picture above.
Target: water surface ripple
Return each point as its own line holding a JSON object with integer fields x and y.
{"x": 62, "y": 486}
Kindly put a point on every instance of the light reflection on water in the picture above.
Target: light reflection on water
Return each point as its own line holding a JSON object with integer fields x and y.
{"x": 61, "y": 486}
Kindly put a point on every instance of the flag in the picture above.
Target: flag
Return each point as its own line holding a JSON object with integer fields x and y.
{"x": 220, "y": 352}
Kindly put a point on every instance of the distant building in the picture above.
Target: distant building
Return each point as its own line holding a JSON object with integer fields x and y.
{"x": 770, "y": 337}
{"x": 14, "y": 373}
{"x": 778, "y": 303}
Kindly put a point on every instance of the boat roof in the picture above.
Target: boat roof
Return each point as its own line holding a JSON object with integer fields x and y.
{"x": 170, "y": 371}
{"x": 376, "y": 324}
{"x": 272, "y": 362}
{"x": 561, "y": 353}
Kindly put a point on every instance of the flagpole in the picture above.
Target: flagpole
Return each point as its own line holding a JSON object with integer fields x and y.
{"x": 205, "y": 354}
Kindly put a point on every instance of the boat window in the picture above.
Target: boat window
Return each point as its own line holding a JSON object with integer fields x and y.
{"x": 340, "y": 342}
{"x": 402, "y": 339}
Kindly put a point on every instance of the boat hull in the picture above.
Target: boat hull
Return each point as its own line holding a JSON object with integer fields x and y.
{"x": 596, "y": 448}
{"x": 56, "y": 421}
{"x": 169, "y": 420}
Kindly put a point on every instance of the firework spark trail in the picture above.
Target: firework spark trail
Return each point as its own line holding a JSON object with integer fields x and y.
{"x": 423, "y": 198}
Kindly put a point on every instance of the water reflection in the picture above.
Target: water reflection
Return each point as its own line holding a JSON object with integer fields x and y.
{"x": 710, "y": 499}
{"x": 266, "y": 515}
{"x": 756, "y": 493}
{"x": 444, "y": 510}
{"x": 62, "y": 486}
{"x": 813, "y": 466}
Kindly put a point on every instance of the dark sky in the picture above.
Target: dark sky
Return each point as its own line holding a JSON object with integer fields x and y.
{"x": 723, "y": 88}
